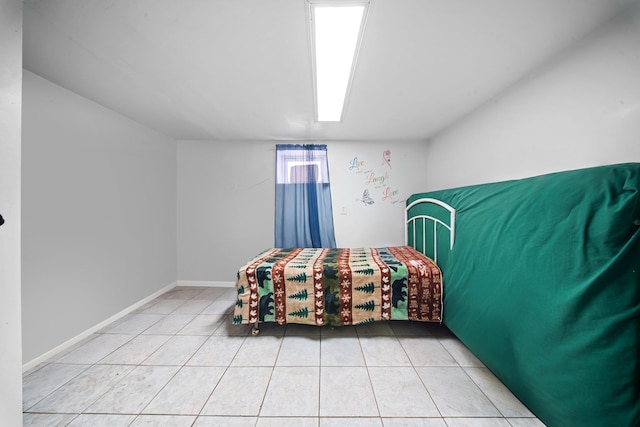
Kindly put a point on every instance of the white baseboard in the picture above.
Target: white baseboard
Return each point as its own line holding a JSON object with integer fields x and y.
{"x": 197, "y": 283}
{"x": 35, "y": 362}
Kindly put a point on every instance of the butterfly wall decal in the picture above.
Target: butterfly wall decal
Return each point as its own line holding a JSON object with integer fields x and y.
{"x": 366, "y": 198}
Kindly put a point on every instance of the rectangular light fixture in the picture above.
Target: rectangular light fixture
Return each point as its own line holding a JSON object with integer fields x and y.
{"x": 336, "y": 32}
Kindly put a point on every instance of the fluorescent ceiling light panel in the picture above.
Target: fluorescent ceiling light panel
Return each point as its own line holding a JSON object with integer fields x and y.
{"x": 336, "y": 32}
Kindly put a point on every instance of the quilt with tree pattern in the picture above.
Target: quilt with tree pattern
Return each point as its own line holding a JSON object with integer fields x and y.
{"x": 342, "y": 286}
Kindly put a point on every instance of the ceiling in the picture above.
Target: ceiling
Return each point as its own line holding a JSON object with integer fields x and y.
{"x": 241, "y": 69}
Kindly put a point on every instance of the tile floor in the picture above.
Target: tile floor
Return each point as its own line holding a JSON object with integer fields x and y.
{"x": 178, "y": 361}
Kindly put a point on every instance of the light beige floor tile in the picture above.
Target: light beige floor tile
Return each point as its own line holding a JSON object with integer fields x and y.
{"x": 498, "y": 393}
{"x": 221, "y": 421}
{"x": 383, "y": 351}
{"x": 176, "y": 351}
{"x": 146, "y": 305}
{"x": 211, "y": 293}
{"x": 220, "y": 306}
{"x": 413, "y": 422}
{"x": 71, "y": 348}
{"x": 163, "y": 421}
{"x": 299, "y": 351}
{"x": 426, "y": 351}
{"x": 525, "y": 422}
{"x": 400, "y": 393}
{"x": 261, "y": 350}
{"x": 46, "y": 380}
{"x": 96, "y": 349}
{"x": 229, "y": 294}
{"x": 135, "y": 391}
{"x": 182, "y": 292}
{"x": 460, "y": 352}
{"x": 163, "y": 306}
{"x": 98, "y": 420}
{"x": 202, "y": 324}
{"x": 351, "y": 422}
{"x": 477, "y": 422}
{"x": 227, "y": 328}
{"x": 455, "y": 394}
{"x": 132, "y": 323}
{"x": 338, "y": 383}
{"x": 287, "y": 422}
{"x": 47, "y": 420}
{"x": 292, "y": 391}
{"x": 136, "y": 351}
{"x": 194, "y": 306}
{"x": 223, "y": 319}
{"x": 187, "y": 392}
{"x": 239, "y": 392}
{"x": 217, "y": 351}
{"x": 341, "y": 351}
{"x": 76, "y": 395}
{"x": 170, "y": 324}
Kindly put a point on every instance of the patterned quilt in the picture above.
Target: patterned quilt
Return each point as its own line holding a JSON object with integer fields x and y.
{"x": 339, "y": 286}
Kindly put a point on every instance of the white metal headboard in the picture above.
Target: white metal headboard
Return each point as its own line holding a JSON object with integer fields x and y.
{"x": 426, "y": 219}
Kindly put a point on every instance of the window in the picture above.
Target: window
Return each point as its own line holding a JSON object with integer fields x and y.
{"x": 303, "y": 214}
{"x": 305, "y": 172}
{"x": 300, "y": 164}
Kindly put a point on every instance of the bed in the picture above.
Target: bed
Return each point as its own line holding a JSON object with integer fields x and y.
{"x": 342, "y": 286}
{"x": 538, "y": 277}
{"x": 543, "y": 286}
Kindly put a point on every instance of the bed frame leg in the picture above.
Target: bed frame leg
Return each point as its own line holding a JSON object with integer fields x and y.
{"x": 255, "y": 330}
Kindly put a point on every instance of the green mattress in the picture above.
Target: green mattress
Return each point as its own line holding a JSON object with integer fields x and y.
{"x": 542, "y": 284}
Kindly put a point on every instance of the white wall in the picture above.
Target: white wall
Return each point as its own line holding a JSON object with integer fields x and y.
{"x": 10, "y": 105}
{"x": 581, "y": 110}
{"x": 99, "y": 214}
{"x": 226, "y": 200}
{"x": 225, "y": 207}
{"x": 389, "y": 183}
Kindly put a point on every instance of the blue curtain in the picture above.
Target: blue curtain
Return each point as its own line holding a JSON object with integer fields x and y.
{"x": 304, "y": 215}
